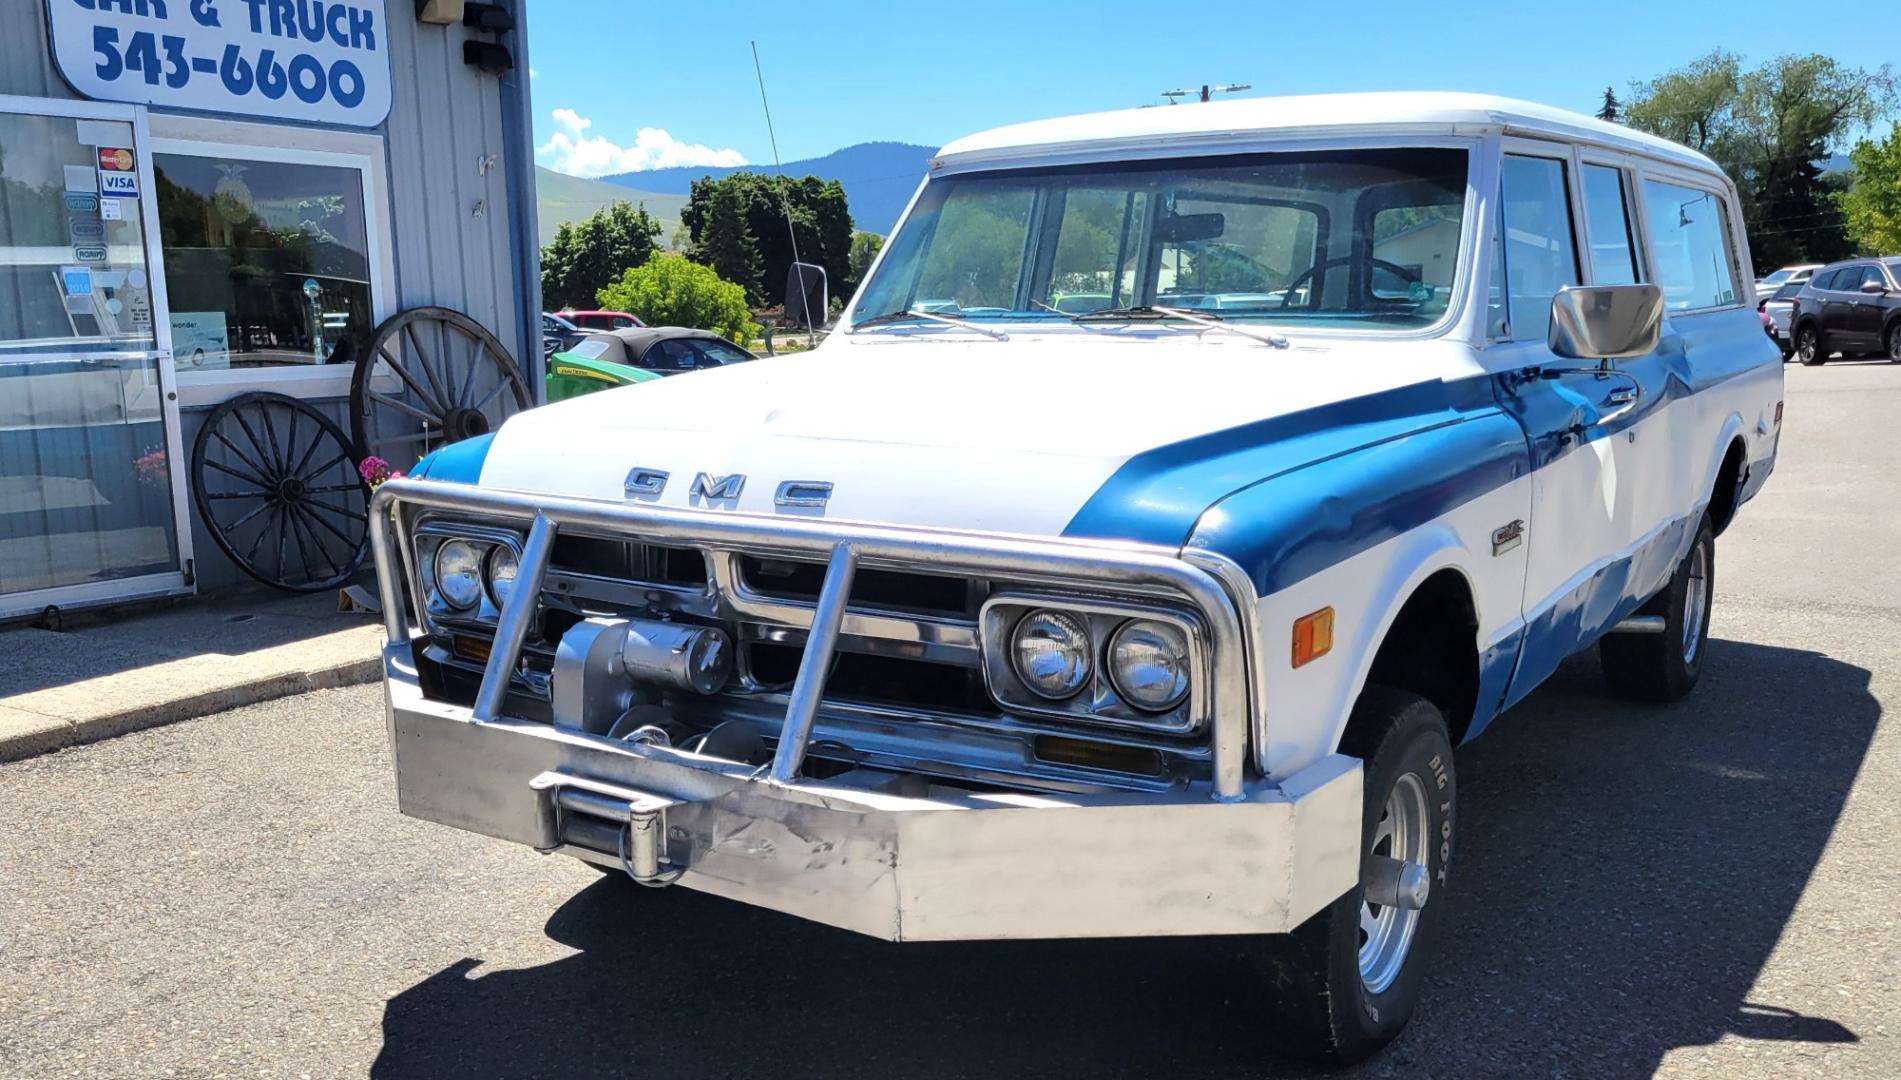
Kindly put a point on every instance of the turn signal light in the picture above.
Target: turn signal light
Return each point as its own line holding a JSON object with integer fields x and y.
{"x": 473, "y": 649}
{"x": 1313, "y": 636}
{"x": 1058, "y": 750}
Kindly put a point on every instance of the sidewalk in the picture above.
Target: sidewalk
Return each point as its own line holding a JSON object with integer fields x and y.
{"x": 61, "y": 688}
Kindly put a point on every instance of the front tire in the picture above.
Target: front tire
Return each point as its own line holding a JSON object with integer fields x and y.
{"x": 1664, "y": 667}
{"x": 1809, "y": 346}
{"x": 1347, "y": 980}
{"x": 1894, "y": 342}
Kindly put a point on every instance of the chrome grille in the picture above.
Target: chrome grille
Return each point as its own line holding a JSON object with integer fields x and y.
{"x": 815, "y": 626}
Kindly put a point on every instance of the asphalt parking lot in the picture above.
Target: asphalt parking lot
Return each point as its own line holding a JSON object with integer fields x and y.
{"x": 1701, "y": 890}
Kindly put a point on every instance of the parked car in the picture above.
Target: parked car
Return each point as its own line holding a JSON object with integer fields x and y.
{"x": 1776, "y": 308}
{"x": 995, "y": 620}
{"x": 663, "y": 350}
{"x": 600, "y": 320}
{"x": 1797, "y": 274}
{"x": 557, "y": 333}
{"x": 1851, "y": 307}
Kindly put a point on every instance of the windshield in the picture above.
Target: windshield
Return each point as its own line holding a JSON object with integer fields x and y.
{"x": 1329, "y": 237}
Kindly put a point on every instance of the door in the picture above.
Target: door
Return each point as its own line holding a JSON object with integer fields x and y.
{"x": 1838, "y": 309}
{"x": 1865, "y": 309}
{"x": 1581, "y": 418}
{"x": 91, "y": 478}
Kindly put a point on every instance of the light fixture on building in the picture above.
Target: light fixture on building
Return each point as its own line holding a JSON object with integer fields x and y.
{"x": 439, "y": 12}
{"x": 487, "y": 18}
{"x": 491, "y": 58}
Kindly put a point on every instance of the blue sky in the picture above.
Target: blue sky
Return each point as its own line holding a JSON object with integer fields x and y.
{"x": 646, "y": 85}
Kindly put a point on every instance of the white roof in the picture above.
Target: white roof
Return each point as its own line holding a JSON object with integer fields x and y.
{"x": 1237, "y": 120}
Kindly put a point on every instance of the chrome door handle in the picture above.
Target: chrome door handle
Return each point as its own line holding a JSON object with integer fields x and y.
{"x": 1624, "y": 396}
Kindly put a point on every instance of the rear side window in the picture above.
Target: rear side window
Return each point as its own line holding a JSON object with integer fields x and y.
{"x": 1540, "y": 255}
{"x": 1689, "y": 229}
{"x": 1822, "y": 279}
{"x": 1613, "y": 254}
{"x": 591, "y": 349}
{"x": 1787, "y": 292}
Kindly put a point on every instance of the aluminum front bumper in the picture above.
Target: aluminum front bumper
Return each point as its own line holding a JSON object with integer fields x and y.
{"x": 910, "y": 869}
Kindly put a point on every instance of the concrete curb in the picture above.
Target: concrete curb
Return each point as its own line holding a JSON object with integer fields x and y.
{"x": 21, "y": 737}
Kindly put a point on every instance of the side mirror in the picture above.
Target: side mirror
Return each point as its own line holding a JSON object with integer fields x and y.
{"x": 1605, "y": 322}
{"x": 1873, "y": 287}
{"x": 806, "y": 302}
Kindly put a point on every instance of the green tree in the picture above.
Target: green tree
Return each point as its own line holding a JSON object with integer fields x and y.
{"x": 1872, "y": 205}
{"x": 726, "y": 242}
{"x": 671, "y": 290}
{"x": 865, "y": 247}
{"x": 1607, "y": 112}
{"x": 1770, "y": 128}
{"x": 583, "y": 258}
{"x": 821, "y": 220}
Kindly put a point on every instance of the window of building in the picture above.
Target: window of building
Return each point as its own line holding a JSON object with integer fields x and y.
{"x": 1607, "y": 215}
{"x": 1540, "y": 254}
{"x": 1689, "y": 232}
{"x": 276, "y": 254}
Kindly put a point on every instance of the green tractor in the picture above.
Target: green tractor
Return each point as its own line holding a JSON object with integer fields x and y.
{"x": 571, "y": 376}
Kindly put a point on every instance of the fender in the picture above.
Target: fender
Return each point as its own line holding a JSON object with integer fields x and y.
{"x": 1359, "y": 533}
{"x": 1732, "y": 431}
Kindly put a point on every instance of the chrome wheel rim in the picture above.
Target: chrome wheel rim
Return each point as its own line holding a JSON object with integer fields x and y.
{"x": 1696, "y": 599}
{"x": 1386, "y": 933}
{"x": 1894, "y": 343}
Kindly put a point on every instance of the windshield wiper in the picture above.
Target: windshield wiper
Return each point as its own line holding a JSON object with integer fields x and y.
{"x": 947, "y": 318}
{"x": 1206, "y": 320}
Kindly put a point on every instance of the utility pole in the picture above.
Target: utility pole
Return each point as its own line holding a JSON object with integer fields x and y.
{"x": 1205, "y": 93}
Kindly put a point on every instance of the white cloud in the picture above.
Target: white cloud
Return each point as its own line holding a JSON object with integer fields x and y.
{"x": 571, "y": 150}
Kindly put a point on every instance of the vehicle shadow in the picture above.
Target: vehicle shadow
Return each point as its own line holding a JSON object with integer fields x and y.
{"x": 1622, "y": 874}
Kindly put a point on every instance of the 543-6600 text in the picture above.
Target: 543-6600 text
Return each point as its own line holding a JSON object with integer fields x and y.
{"x": 162, "y": 57}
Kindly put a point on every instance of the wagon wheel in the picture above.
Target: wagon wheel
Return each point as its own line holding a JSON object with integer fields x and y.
{"x": 453, "y": 380}
{"x": 277, "y": 488}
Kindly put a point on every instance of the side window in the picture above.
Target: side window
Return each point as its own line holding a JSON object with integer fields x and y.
{"x": 1872, "y": 274}
{"x": 1540, "y": 255}
{"x": 1613, "y": 252}
{"x": 673, "y": 355}
{"x": 1690, "y": 230}
{"x": 1822, "y": 280}
{"x": 622, "y": 324}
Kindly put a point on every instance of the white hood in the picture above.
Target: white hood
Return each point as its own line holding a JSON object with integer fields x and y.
{"x": 939, "y": 428}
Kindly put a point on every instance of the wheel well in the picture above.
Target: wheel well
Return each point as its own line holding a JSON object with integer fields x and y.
{"x": 1729, "y": 487}
{"x": 1422, "y": 654}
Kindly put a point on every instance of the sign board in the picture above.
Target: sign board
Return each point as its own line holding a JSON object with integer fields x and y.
{"x": 312, "y": 60}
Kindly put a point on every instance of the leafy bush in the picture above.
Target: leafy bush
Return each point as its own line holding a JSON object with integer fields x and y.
{"x": 671, "y": 290}
{"x": 585, "y": 257}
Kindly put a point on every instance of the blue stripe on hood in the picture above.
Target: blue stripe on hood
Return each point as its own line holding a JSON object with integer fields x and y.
{"x": 1157, "y": 496}
{"x": 456, "y": 463}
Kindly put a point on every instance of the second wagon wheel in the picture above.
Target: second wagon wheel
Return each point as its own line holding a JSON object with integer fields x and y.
{"x": 277, "y": 487}
{"x": 428, "y": 377}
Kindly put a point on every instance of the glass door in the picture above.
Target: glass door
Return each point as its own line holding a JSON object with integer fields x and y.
{"x": 91, "y": 482}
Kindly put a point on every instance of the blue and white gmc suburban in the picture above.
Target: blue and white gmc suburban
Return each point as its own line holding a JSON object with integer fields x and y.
{"x": 1180, "y": 488}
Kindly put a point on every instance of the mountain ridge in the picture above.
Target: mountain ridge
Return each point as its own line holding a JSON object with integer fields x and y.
{"x": 879, "y": 178}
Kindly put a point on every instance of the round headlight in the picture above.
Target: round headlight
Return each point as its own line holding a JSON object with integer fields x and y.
{"x": 1148, "y": 662}
{"x": 459, "y": 574}
{"x": 503, "y": 564}
{"x": 1051, "y": 653}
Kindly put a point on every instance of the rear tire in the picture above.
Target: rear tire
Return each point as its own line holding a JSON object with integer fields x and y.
{"x": 1345, "y": 991}
{"x": 1809, "y": 346}
{"x": 1664, "y": 667}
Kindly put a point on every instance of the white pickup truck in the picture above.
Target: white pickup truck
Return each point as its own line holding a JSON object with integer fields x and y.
{"x": 1180, "y": 488}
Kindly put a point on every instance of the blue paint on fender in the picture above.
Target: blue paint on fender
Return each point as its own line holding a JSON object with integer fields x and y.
{"x": 1302, "y": 521}
{"x": 456, "y": 463}
{"x": 1158, "y": 496}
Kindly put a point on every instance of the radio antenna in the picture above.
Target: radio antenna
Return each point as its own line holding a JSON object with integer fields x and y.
{"x": 785, "y": 204}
